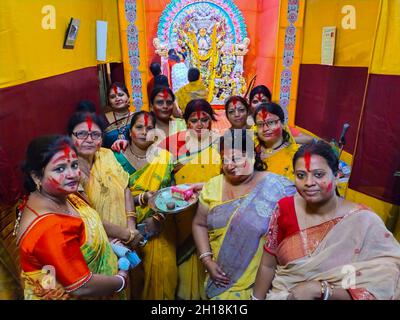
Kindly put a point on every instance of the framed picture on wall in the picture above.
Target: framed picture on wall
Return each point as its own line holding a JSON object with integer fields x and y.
{"x": 71, "y": 34}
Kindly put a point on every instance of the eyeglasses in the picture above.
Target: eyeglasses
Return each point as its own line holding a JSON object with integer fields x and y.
{"x": 160, "y": 103}
{"x": 83, "y": 134}
{"x": 239, "y": 161}
{"x": 269, "y": 124}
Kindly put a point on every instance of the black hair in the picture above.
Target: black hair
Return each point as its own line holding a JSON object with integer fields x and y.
{"x": 136, "y": 115}
{"x": 86, "y": 106}
{"x": 199, "y": 105}
{"x": 159, "y": 89}
{"x": 322, "y": 149}
{"x": 193, "y": 74}
{"x": 155, "y": 69}
{"x": 238, "y": 98}
{"x": 79, "y": 117}
{"x": 275, "y": 109}
{"x": 161, "y": 81}
{"x": 39, "y": 153}
{"x": 234, "y": 138}
{"x": 260, "y": 89}
{"x": 118, "y": 85}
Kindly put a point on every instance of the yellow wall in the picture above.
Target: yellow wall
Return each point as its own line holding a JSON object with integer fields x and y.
{"x": 353, "y": 46}
{"x": 28, "y": 52}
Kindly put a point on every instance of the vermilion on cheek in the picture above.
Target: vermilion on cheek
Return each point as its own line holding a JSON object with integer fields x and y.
{"x": 53, "y": 185}
{"x": 277, "y": 132}
{"x": 329, "y": 187}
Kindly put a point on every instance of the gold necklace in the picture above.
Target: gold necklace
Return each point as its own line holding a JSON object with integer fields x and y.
{"x": 136, "y": 156}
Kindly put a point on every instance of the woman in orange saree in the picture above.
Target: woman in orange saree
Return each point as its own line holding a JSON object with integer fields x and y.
{"x": 64, "y": 249}
{"x": 320, "y": 246}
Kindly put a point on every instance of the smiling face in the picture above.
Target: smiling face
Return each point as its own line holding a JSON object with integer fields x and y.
{"x": 199, "y": 122}
{"x": 269, "y": 127}
{"x": 236, "y": 165}
{"x": 163, "y": 106}
{"x": 118, "y": 99}
{"x": 61, "y": 175}
{"x": 314, "y": 179}
{"x": 88, "y": 145}
{"x": 139, "y": 131}
{"x": 237, "y": 114}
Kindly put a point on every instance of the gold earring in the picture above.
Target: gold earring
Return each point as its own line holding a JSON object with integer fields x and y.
{"x": 38, "y": 185}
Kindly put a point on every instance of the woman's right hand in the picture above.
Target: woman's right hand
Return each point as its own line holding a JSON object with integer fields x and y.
{"x": 119, "y": 145}
{"x": 152, "y": 226}
{"x": 218, "y": 275}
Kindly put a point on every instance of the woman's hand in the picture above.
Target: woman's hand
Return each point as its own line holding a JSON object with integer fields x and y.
{"x": 136, "y": 240}
{"x": 119, "y": 145}
{"x": 152, "y": 226}
{"x": 147, "y": 196}
{"x": 218, "y": 275}
{"x": 309, "y": 290}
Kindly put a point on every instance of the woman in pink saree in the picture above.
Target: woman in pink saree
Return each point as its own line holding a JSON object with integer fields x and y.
{"x": 320, "y": 246}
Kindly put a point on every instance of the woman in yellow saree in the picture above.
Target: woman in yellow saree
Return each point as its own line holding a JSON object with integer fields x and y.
{"x": 233, "y": 216}
{"x": 274, "y": 144}
{"x": 64, "y": 249}
{"x": 104, "y": 182}
{"x": 197, "y": 161}
{"x": 320, "y": 246}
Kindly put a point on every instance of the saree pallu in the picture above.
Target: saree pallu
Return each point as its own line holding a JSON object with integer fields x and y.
{"x": 106, "y": 186}
{"x": 356, "y": 253}
{"x": 236, "y": 229}
{"x": 197, "y": 167}
{"x": 96, "y": 251}
{"x": 159, "y": 254}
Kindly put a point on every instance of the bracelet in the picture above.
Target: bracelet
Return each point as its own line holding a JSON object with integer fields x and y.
{"x": 205, "y": 254}
{"x": 325, "y": 290}
{"x": 123, "y": 282}
{"x": 131, "y": 214}
{"x": 155, "y": 217}
{"x": 253, "y": 297}
{"x": 140, "y": 200}
{"x": 132, "y": 236}
{"x": 161, "y": 215}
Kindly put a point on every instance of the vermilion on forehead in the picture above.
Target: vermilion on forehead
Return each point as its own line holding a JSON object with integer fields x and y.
{"x": 89, "y": 122}
{"x": 146, "y": 119}
{"x": 165, "y": 94}
{"x": 234, "y": 102}
{"x": 199, "y": 114}
{"x": 265, "y": 115}
{"x": 259, "y": 96}
{"x": 115, "y": 89}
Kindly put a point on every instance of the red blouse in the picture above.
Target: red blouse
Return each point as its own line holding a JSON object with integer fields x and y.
{"x": 55, "y": 240}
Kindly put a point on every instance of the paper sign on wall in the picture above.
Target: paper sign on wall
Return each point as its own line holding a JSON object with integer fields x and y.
{"x": 328, "y": 45}
{"x": 101, "y": 40}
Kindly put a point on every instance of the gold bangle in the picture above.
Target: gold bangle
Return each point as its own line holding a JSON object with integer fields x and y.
{"x": 155, "y": 217}
{"x": 131, "y": 214}
{"x": 132, "y": 236}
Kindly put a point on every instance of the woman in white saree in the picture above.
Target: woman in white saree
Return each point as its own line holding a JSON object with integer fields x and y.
{"x": 320, "y": 246}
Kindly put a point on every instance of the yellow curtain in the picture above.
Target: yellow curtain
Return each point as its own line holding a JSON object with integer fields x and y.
{"x": 387, "y": 44}
{"x": 29, "y": 52}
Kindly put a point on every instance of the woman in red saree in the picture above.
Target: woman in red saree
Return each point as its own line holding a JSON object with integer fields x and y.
{"x": 64, "y": 249}
{"x": 320, "y": 246}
